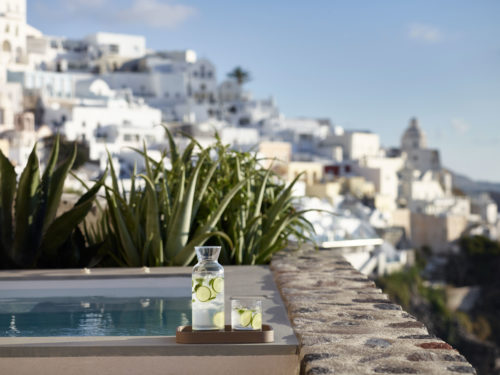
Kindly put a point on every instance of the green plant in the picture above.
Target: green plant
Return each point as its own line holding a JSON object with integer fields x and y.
{"x": 212, "y": 195}
{"x": 156, "y": 223}
{"x": 31, "y": 236}
{"x": 261, "y": 217}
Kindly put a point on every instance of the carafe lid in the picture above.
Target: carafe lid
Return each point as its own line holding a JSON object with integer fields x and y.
{"x": 204, "y": 253}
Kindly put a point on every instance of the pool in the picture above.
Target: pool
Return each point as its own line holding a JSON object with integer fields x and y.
{"x": 147, "y": 306}
{"x": 134, "y": 291}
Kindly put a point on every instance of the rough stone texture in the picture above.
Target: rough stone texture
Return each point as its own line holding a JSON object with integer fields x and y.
{"x": 348, "y": 326}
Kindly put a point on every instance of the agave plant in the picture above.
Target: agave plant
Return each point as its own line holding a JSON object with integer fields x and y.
{"x": 261, "y": 218}
{"x": 157, "y": 222}
{"x": 31, "y": 236}
{"x": 213, "y": 195}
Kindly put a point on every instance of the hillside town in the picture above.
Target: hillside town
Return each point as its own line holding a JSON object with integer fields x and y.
{"x": 110, "y": 93}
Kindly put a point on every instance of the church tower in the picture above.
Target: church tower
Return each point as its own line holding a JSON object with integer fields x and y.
{"x": 413, "y": 138}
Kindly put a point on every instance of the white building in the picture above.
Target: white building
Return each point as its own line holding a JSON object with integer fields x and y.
{"x": 12, "y": 32}
{"x": 182, "y": 87}
{"x": 124, "y": 45}
{"x": 304, "y": 134}
{"x": 414, "y": 144}
{"x": 21, "y": 137}
{"x": 485, "y": 207}
{"x": 11, "y": 103}
{"x": 355, "y": 144}
{"x": 101, "y": 107}
{"x": 243, "y": 139}
{"x": 383, "y": 172}
{"x": 48, "y": 84}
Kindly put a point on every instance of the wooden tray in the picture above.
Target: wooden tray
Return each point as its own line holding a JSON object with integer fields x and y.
{"x": 185, "y": 335}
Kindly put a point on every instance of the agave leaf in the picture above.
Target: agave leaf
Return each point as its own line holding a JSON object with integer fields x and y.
{"x": 54, "y": 155}
{"x": 214, "y": 218}
{"x": 146, "y": 251}
{"x": 84, "y": 184}
{"x": 92, "y": 192}
{"x": 149, "y": 171}
{"x": 179, "y": 230}
{"x": 260, "y": 196}
{"x": 278, "y": 206}
{"x": 27, "y": 199}
{"x": 143, "y": 152}
{"x": 132, "y": 216}
{"x": 165, "y": 206}
{"x": 174, "y": 154}
{"x": 132, "y": 185}
{"x": 270, "y": 237}
{"x": 62, "y": 228}
{"x": 55, "y": 183}
{"x": 173, "y": 220}
{"x": 153, "y": 223}
{"x": 7, "y": 190}
{"x": 114, "y": 178}
{"x": 131, "y": 254}
{"x": 202, "y": 190}
{"x": 187, "y": 154}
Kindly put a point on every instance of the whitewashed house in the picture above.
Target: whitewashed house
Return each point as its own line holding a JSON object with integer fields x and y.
{"x": 104, "y": 117}
{"x": 12, "y": 32}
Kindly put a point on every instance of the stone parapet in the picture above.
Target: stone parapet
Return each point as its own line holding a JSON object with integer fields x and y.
{"x": 346, "y": 325}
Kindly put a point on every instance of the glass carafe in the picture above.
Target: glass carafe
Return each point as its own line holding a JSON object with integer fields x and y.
{"x": 208, "y": 290}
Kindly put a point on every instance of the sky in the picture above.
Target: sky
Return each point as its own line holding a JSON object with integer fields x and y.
{"x": 364, "y": 64}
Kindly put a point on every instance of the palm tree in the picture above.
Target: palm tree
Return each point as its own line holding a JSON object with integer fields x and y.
{"x": 241, "y": 76}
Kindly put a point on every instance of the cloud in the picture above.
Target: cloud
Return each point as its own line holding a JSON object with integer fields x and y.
{"x": 79, "y": 5}
{"x": 144, "y": 13}
{"x": 156, "y": 13}
{"x": 425, "y": 33}
{"x": 459, "y": 125}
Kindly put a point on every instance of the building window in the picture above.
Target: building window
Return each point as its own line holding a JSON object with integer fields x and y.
{"x": 244, "y": 121}
{"x": 83, "y": 124}
{"x": 6, "y": 46}
{"x": 7, "y": 28}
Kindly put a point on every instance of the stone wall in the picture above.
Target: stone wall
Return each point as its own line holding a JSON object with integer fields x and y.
{"x": 348, "y": 326}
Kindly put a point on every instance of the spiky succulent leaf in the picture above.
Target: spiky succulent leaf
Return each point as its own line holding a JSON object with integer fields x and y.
{"x": 7, "y": 190}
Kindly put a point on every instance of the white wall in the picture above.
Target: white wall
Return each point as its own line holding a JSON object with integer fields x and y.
{"x": 355, "y": 144}
{"x": 423, "y": 159}
{"x": 241, "y": 138}
{"x": 13, "y": 31}
{"x": 132, "y": 46}
{"x": 388, "y": 169}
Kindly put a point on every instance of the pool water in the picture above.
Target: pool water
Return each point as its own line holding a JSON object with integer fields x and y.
{"x": 93, "y": 316}
{"x": 146, "y": 306}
